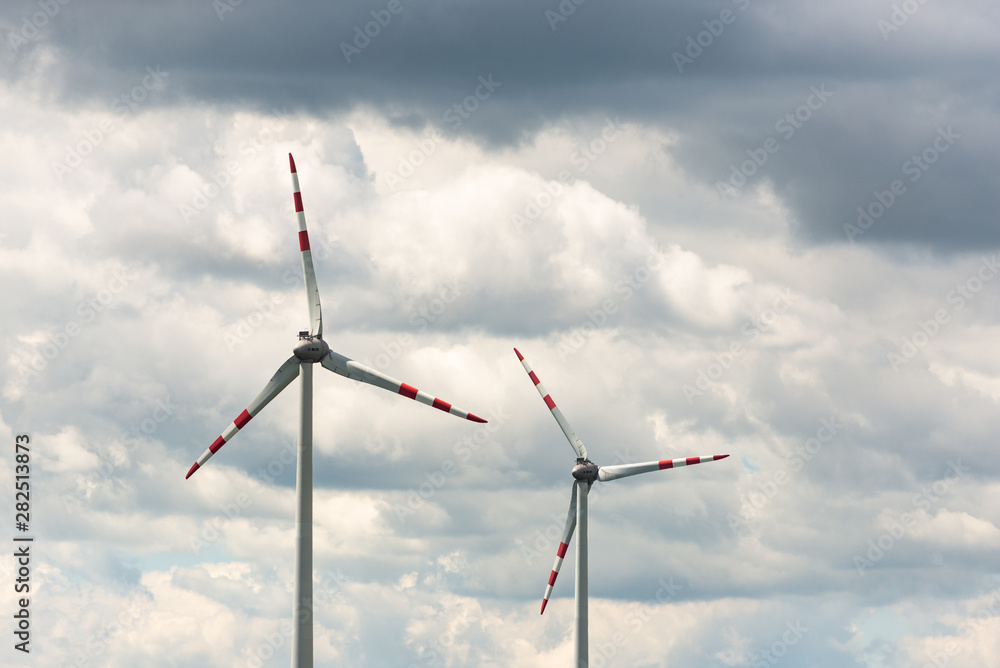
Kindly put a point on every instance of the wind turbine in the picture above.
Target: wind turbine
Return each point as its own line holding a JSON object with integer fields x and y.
{"x": 310, "y": 350}
{"x": 585, "y": 474}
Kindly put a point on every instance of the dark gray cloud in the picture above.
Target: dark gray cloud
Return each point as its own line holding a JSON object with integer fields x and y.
{"x": 748, "y": 65}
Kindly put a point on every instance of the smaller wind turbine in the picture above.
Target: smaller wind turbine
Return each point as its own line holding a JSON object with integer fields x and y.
{"x": 585, "y": 474}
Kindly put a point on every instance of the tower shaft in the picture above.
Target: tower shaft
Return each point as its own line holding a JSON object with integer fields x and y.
{"x": 302, "y": 604}
{"x": 581, "y": 657}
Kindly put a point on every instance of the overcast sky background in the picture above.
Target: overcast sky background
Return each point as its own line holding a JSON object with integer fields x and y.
{"x": 639, "y": 191}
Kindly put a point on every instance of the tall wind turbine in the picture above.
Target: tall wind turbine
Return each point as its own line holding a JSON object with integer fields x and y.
{"x": 585, "y": 474}
{"x": 310, "y": 349}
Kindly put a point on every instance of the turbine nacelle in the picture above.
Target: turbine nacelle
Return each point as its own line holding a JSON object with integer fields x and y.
{"x": 310, "y": 348}
{"x": 586, "y": 470}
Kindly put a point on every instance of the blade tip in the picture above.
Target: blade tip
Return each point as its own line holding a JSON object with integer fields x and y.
{"x": 194, "y": 468}
{"x": 291, "y": 162}
{"x": 519, "y": 355}
{"x": 476, "y": 418}
{"x": 544, "y": 603}
{"x": 718, "y": 457}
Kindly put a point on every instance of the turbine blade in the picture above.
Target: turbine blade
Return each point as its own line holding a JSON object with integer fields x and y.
{"x": 279, "y": 381}
{"x": 348, "y": 368}
{"x": 308, "y": 272}
{"x": 571, "y": 436}
{"x": 561, "y": 551}
{"x": 606, "y": 473}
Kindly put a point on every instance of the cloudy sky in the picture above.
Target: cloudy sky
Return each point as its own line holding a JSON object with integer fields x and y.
{"x": 761, "y": 228}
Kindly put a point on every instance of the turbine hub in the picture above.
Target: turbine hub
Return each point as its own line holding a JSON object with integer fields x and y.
{"x": 310, "y": 348}
{"x": 585, "y": 470}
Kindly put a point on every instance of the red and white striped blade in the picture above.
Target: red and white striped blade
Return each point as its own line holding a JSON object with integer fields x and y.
{"x": 567, "y": 535}
{"x": 308, "y": 272}
{"x": 606, "y": 473}
{"x": 279, "y": 381}
{"x": 348, "y": 368}
{"x": 571, "y": 436}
